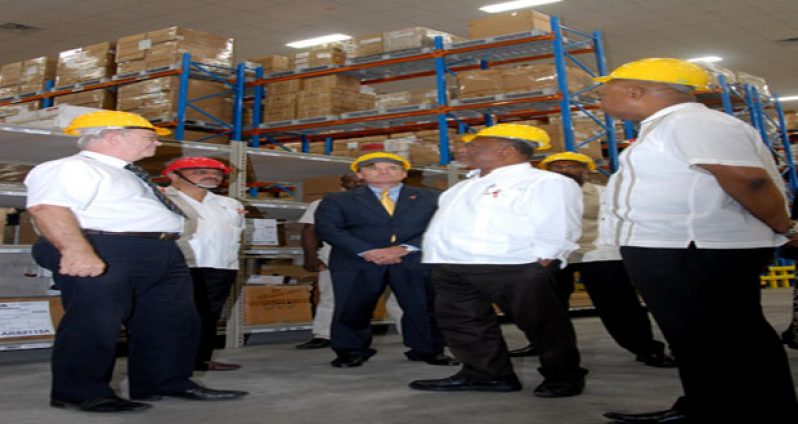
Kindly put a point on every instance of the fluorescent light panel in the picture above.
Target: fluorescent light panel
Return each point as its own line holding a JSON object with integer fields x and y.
{"x": 788, "y": 98}
{"x": 301, "y": 44}
{"x": 706, "y": 59}
{"x": 513, "y": 5}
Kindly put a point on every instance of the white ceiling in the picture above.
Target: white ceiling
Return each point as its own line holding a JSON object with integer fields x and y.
{"x": 744, "y": 32}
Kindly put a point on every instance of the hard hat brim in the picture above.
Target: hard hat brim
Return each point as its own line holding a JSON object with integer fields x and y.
{"x": 602, "y": 80}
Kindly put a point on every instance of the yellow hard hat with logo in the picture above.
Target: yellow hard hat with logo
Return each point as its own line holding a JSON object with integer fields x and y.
{"x": 526, "y": 133}
{"x": 112, "y": 119}
{"x": 572, "y": 156}
{"x": 664, "y": 70}
{"x": 370, "y": 158}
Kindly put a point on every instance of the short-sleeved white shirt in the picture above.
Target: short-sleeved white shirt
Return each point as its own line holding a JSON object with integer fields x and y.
{"x": 212, "y": 231}
{"x": 101, "y": 193}
{"x": 309, "y": 217}
{"x": 660, "y": 197}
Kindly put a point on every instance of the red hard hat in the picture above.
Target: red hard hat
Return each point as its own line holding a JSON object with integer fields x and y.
{"x": 195, "y": 162}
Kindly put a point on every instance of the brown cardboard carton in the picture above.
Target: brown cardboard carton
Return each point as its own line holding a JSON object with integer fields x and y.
{"x": 321, "y": 84}
{"x": 10, "y": 73}
{"x": 56, "y": 312}
{"x": 157, "y": 99}
{"x": 100, "y": 98}
{"x": 38, "y": 70}
{"x": 479, "y": 83}
{"x": 273, "y": 63}
{"x": 277, "y": 304}
{"x": 283, "y": 87}
{"x": 85, "y": 64}
{"x": 317, "y": 57}
{"x": 508, "y": 23}
{"x": 414, "y": 37}
{"x": 582, "y": 131}
{"x": 9, "y": 91}
{"x": 166, "y": 47}
{"x": 367, "y": 45}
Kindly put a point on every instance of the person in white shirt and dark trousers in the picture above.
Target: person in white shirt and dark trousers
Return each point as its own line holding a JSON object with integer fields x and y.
{"x": 500, "y": 237}
{"x": 697, "y": 206}
{"x": 210, "y": 243}
{"x": 108, "y": 236}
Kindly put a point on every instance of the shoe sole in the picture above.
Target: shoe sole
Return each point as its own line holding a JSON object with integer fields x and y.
{"x": 75, "y": 407}
{"x": 466, "y": 389}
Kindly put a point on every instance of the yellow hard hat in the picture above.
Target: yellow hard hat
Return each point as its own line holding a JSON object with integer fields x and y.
{"x": 375, "y": 157}
{"x": 519, "y": 132}
{"x": 664, "y": 70}
{"x": 112, "y": 119}
{"x": 572, "y": 156}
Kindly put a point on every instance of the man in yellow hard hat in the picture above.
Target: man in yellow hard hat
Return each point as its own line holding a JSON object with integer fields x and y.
{"x": 108, "y": 236}
{"x": 375, "y": 233}
{"x": 500, "y": 237}
{"x": 698, "y": 206}
{"x": 601, "y": 270}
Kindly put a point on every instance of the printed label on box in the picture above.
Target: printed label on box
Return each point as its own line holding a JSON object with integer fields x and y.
{"x": 24, "y": 319}
{"x": 145, "y": 44}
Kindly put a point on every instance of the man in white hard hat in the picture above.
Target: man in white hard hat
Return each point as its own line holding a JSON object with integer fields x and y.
{"x": 697, "y": 206}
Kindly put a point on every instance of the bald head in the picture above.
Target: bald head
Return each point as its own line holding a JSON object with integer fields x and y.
{"x": 636, "y": 100}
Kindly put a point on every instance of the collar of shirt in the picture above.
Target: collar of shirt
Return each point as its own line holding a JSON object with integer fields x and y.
{"x": 670, "y": 109}
{"x": 506, "y": 171}
{"x": 393, "y": 192}
{"x": 110, "y": 160}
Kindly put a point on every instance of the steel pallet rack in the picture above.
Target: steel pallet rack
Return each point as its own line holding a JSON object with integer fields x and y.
{"x": 437, "y": 62}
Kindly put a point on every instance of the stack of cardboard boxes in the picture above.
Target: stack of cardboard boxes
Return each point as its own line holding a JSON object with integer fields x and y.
{"x": 156, "y": 99}
{"x": 26, "y": 77}
{"x": 85, "y": 64}
{"x": 415, "y": 37}
{"x": 539, "y": 76}
{"x": 406, "y": 98}
{"x": 165, "y": 47}
{"x": 321, "y": 96}
{"x": 318, "y": 56}
{"x": 508, "y": 23}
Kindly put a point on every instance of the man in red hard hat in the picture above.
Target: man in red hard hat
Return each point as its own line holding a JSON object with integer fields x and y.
{"x": 210, "y": 242}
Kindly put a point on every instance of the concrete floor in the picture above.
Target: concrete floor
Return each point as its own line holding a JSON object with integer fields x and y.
{"x": 288, "y": 386}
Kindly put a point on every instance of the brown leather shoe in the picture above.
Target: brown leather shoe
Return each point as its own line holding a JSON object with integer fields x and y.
{"x": 216, "y": 366}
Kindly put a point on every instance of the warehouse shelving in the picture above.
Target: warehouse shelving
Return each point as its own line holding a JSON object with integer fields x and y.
{"x": 437, "y": 62}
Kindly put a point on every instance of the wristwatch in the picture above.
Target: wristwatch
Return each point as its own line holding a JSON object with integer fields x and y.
{"x": 793, "y": 230}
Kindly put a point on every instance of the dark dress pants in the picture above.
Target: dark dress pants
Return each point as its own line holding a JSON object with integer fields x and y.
{"x": 732, "y": 365}
{"x": 211, "y": 289}
{"x": 146, "y": 288}
{"x": 356, "y": 296}
{"x": 528, "y": 294}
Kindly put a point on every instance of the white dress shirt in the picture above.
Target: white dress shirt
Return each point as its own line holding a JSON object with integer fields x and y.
{"x": 514, "y": 215}
{"x": 661, "y": 198}
{"x": 592, "y": 219}
{"x": 213, "y": 229}
{"x": 101, "y": 193}
{"x": 309, "y": 217}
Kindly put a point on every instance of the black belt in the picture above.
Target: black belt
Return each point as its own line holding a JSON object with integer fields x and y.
{"x": 150, "y": 235}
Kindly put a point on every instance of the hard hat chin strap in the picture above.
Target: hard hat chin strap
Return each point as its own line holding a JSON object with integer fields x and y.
{"x": 204, "y": 187}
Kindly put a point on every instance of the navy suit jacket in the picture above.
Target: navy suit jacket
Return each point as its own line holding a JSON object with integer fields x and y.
{"x": 355, "y": 221}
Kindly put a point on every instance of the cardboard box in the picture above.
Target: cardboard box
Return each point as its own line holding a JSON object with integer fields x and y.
{"x": 85, "y": 64}
{"x": 479, "y": 83}
{"x": 261, "y": 232}
{"x": 164, "y": 47}
{"x": 10, "y": 73}
{"x": 268, "y": 304}
{"x": 53, "y": 118}
{"x": 508, "y": 23}
{"x": 24, "y": 333}
{"x": 283, "y": 87}
{"x": 317, "y": 187}
{"x": 292, "y": 273}
{"x": 415, "y": 37}
{"x": 293, "y": 231}
{"x": 317, "y": 57}
{"x": 157, "y": 99}
{"x": 326, "y": 83}
{"x": 583, "y": 130}
{"x": 9, "y": 91}
{"x": 541, "y": 76}
{"x": 367, "y": 45}
{"x": 273, "y": 63}
{"x": 98, "y": 99}
{"x": 13, "y": 110}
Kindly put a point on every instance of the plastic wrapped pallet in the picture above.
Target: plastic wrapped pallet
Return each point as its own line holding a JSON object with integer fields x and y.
{"x": 10, "y": 73}
{"x": 280, "y": 107}
{"x": 716, "y": 70}
{"x": 165, "y": 47}
{"x": 99, "y": 99}
{"x": 367, "y": 45}
{"x": 270, "y": 64}
{"x": 85, "y": 64}
{"x": 533, "y": 77}
{"x": 317, "y": 57}
{"x": 334, "y": 101}
{"x": 283, "y": 87}
{"x": 759, "y": 83}
{"x": 415, "y": 37}
{"x": 406, "y": 98}
{"x": 28, "y": 76}
{"x": 156, "y": 99}
{"x": 53, "y": 118}
{"x": 479, "y": 83}
{"x": 508, "y": 23}
{"x": 16, "y": 109}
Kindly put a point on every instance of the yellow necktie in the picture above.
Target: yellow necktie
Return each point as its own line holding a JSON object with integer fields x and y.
{"x": 389, "y": 206}
{"x": 387, "y": 203}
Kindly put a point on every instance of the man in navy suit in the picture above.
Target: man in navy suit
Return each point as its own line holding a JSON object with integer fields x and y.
{"x": 375, "y": 233}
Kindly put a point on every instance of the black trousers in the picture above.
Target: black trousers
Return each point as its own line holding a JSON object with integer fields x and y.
{"x": 356, "y": 295}
{"x": 211, "y": 288}
{"x": 616, "y": 303}
{"x": 146, "y": 288}
{"x": 732, "y": 365}
{"x": 528, "y": 293}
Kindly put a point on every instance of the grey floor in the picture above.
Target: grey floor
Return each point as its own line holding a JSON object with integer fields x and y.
{"x": 299, "y": 387}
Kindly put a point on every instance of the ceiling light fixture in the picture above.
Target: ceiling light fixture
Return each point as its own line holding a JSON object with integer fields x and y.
{"x": 788, "y": 99}
{"x": 706, "y": 59}
{"x": 513, "y": 5}
{"x": 301, "y": 44}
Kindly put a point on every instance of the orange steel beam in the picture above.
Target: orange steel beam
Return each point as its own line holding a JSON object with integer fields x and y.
{"x": 88, "y": 87}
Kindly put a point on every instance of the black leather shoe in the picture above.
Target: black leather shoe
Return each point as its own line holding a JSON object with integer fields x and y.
{"x": 216, "y": 366}
{"x": 456, "y": 383}
{"x": 314, "y": 343}
{"x": 432, "y": 359}
{"x": 669, "y": 416}
{"x": 109, "y": 404}
{"x": 659, "y": 360}
{"x": 198, "y": 393}
{"x": 527, "y": 350}
{"x": 353, "y": 359}
{"x": 554, "y": 389}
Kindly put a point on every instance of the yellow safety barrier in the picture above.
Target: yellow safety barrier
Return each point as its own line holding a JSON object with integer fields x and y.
{"x": 778, "y": 276}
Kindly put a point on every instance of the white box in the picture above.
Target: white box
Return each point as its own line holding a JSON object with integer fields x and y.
{"x": 261, "y": 231}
